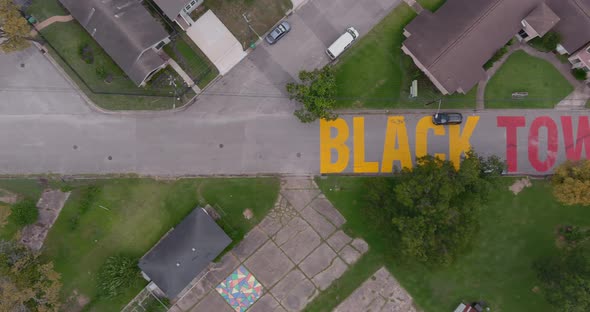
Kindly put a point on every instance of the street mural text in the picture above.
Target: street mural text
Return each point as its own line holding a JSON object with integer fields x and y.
{"x": 337, "y": 152}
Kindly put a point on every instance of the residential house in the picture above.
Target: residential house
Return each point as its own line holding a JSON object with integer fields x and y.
{"x": 179, "y": 10}
{"x": 126, "y": 31}
{"x": 452, "y": 44}
{"x": 183, "y": 253}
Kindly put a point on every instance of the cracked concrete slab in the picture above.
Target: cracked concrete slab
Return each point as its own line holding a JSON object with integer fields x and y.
{"x": 253, "y": 240}
{"x": 219, "y": 271}
{"x": 266, "y": 304}
{"x": 360, "y": 245}
{"x": 380, "y": 293}
{"x": 318, "y": 222}
{"x": 338, "y": 240}
{"x": 294, "y": 291}
{"x": 269, "y": 264}
{"x": 350, "y": 255}
{"x": 295, "y": 226}
{"x": 300, "y": 246}
{"x": 325, "y": 207}
{"x": 318, "y": 260}
{"x": 299, "y": 199}
{"x": 278, "y": 217}
{"x": 325, "y": 278}
{"x": 213, "y": 302}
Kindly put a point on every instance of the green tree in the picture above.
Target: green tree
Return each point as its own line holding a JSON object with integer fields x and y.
{"x": 116, "y": 274}
{"x": 551, "y": 40}
{"x": 26, "y": 282}
{"x": 571, "y": 183}
{"x": 579, "y": 74}
{"x": 14, "y": 29}
{"x": 434, "y": 207}
{"x": 317, "y": 92}
{"x": 565, "y": 278}
{"x": 24, "y": 212}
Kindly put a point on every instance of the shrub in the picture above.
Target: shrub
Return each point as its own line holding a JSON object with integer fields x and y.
{"x": 551, "y": 40}
{"x": 24, "y": 212}
{"x": 116, "y": 274}
{"x": 579, "y": 73}
{"x": 496, "y": 57}
{"x": 85, "y": 53}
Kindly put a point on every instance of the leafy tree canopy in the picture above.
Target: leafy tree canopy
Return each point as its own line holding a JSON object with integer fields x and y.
{"x": 434, "y": 208}
{"x": 565, "y": 278}
{"x": 571, "y": 183}
{"x": 14, "y": 29}
{"x": 26, "y": 282}
{"x": 316, "y": 92}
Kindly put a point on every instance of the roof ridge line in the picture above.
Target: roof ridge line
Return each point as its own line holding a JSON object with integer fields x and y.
{"x": 467, "y": 31}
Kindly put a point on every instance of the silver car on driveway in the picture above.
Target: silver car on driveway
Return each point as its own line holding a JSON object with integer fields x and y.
{"x": 278, "y": 32}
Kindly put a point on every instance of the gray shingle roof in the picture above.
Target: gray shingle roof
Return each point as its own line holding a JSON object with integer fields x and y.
{"x": 184, "y": 252}
{"x": 171, "y": 7}
{"x": 542, "y": 19}
{"x": 574, "y": 26}
{"x": 454, "y": 42}
{"x": 125, "y": 30}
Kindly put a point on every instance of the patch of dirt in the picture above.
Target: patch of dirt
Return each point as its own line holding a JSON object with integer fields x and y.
{"x": 8, "y": 197}
{"x": 520, "y": 185}
{"x": 76, "y": 302}
{"x": 536, "y": 289}
{"x": 248, "y": 214}
{"x": 49, "y": 206}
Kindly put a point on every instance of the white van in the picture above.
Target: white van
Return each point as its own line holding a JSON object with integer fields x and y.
{"x": 342, "y": 43}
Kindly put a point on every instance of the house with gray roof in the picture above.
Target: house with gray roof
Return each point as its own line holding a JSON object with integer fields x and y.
{"x": 183, "y": 253}
{"x": 452, "y": 44}
{"x": 179, "y": 10}
{"x": 126, "y": 31}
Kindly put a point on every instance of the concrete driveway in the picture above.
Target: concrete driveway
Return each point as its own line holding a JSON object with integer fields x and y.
{"x": 216, "y": 41}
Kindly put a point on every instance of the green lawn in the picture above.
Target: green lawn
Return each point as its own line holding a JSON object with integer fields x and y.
{"x": 192, "y": 60}
{"x": 515, "y": 230}
{"x": 431, "y": 5}
{"x": 121, "y": 93}
{"x": 525, "y": 73}
{"x": 130, "y": 215}
{"x": 43, "y": 9}
{"x": 262, "y": 14}
{"x": 375, "y": 73}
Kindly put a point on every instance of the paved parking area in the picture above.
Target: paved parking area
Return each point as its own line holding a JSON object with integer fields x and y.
{"x": 296, "y": 252}
{"x": 316, "y": 25}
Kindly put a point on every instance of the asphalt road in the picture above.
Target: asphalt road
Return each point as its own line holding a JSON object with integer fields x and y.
{"x": 243, "y": 125}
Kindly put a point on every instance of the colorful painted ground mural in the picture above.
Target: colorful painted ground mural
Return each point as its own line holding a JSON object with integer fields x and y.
{"x": 240, "y": 289}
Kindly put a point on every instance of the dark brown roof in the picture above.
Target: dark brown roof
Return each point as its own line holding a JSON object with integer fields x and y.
{"x": 125, "y": 30}
{"x": 542, "y": 19}
{"x": 574, "y": 26}
{"x": 455, "y": 42}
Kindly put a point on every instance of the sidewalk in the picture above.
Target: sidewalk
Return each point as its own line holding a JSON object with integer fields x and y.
{"x": 295, "y": 252}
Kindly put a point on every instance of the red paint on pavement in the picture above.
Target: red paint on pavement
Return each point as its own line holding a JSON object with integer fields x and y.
{"x": 573, "y": 150}
{"x": 552, "y": 143}
{"x": 511, "y": 123}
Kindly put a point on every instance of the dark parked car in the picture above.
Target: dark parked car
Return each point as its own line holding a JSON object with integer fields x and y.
{"x": 278, "y": 33}
{"x": 447, "y": 118}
